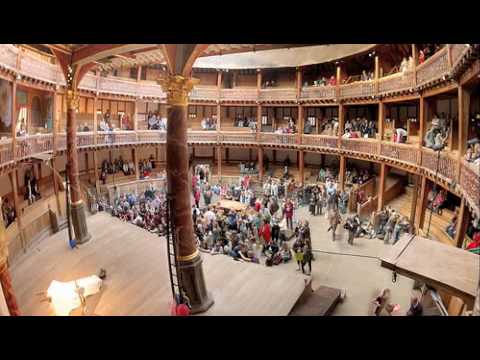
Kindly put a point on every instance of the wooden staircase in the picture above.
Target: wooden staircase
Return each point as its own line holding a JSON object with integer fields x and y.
{"x": 403, "y": 203}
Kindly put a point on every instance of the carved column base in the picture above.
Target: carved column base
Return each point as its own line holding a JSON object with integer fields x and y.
{"x": 79, "y": 222}
{"x": 6, "y": 285}
{"x": 194, "y": 284}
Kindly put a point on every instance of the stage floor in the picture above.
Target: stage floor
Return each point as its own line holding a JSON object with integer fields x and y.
{"x": 137, "y": 280}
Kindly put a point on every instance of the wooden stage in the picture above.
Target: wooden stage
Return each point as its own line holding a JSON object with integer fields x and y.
{"x": 137, "y": 280}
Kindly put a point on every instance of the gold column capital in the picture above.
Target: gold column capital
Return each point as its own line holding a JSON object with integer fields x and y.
{"x": 177, "y": 88}
{"x": 72, "y": 100}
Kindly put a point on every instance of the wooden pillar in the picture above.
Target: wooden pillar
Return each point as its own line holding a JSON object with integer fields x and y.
{"x": 341, "y": 173}
{"x": 301, "y": 125}
{"x": 415, "y": 62}
{"x": 421, "y": 205}
{"x": 139, "y": 73}
{"x": 16, "y": 204}
{"x": 87, "y": 168}
{"x": 56, "y": 186}
{"x": 260, "y": 163}
{"x": 219, "y": 162}
{"x": 341, "y": 119}
{"x": 14, "y": 118}
{"x": 413, "y": 206}
{"x": 463, "y": 119}
{"x": 259, "y": 121}
{"x": 135, "y": 115}
{"x": 219, "y": 117}
{"x": 299, "y": 82}
{"x": 301, "y": 166}
{"x": 377, "y": 73}
{"x": 227, "y": 155}
{"x": 322, "y": 160}
{"x": 381, "y": 190}
{"x": 95, "y": 172}
{"x": 135, "y": 161}
{"x": 259, "y": 82}
{"x": 274, "y": 156}
{"x": 381, "y": 120}
{"x": 422, "y": 121}
{"x": 339, "y": 79}
{"x": 110, "y": 156}
{"x": 250, "y": 154}
{"x": 462, "y": 224}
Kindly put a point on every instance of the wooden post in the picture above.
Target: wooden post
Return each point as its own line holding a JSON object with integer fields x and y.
{"x": 14, "y": 119}
{"x": 259, "y": 121}
{"x": 250, "y": 154}
{"x": 421, "y": 205}
{"x": 139, "y": 73}
{"x": 341, "y": 173}
{"x": 95, "y": 125}
{"x": 135, "y": 161}
{"x": 219, "y": 162}
{"x": 299, "y": 82}
{"x": 415, "y": 62}
{"x": 135, "y": 115}
{"x": 219, "y": 121}
{"x": 227, "y": 154}
{"x": 381, "y": 120}
{"x": 301, "y": 124}
{"x": 339, "y": 79}
{"x": 87, "y": 167}
{"x": 341, "y": 123}
{"x": 377, "y": 73}
{"x": 413, "y": 206}
{"x": 462, "y": 224}
{"x": 381, "y": 191}
{"x": 259, "y": 82}
{"x": 422, "y": 120}
{"x": 56, "y": 187}
{"x": 463, "y": 120}
{"x": 14, "y": 182}
{"x": 274, "y": 156}
{"x": 95, "y": 172}
{"x": 260, "y": 163}
{"x": 301, "y": 166}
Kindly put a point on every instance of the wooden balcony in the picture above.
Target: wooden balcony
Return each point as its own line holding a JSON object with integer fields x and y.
{"x": 396, "y": 83}
{"x": 470, "y": 185}
{"x": 358, "y": 89}
{"x": 116, "y": 138}
{"x": 118, "y": 86}
{"x": 433, "y": 68}
{"x": 204, "y": 93}
{"x": 400, "y": 152}
{"x": 151, "y": 136}
{"x": 6, "y": 154}
{"x": 35, "y": 68}
{"x": 29, "y": 145}
{"x": 327, "y": 92}
{"x": 320, "y": 141}
{"x": 8, "y": 56}
{"x": 278, "y": 139}
{"x": 366, "y": 146}
{"x": 202, "y": 137}
{"x": 85, "y": 139}
{"x": 278, "y": 94}
{"x": 233, "y": 137}
{"x": 447, "y": 168}
{"x": 150, "y": 89}
{"x": 457, "y": 52}
{"x": 239, "y": 94}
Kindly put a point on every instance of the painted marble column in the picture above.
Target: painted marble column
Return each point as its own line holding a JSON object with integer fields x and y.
{"x": 78, "y": 207}
{"x": 190, "y": 262}
{"x": 7, "y": 295}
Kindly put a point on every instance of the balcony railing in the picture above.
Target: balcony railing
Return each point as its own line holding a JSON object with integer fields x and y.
{"x": 38, "y": 69}
{"x": 318, "y": 92}
{"x": 320, "y": 140}
{"x": 457, "y": 51}
{"x": 85, "y": 139}
{"x": 116, "y": 137}
{"x": 470, "y": 185}
{"x": 278, "y": 94}
{"x": 151, "y": 136}
{"x": 205, "y": 137}
{"x": 6, "y": 154}
{"x": 433, "y": 68}
{"x": 238, "y": 138}
{"x": 29, "y": 145}
{"x": 396, "y": 82}
{"x": 204, "y": 93}
{"x": 150, "y": 89}
{"x": 8, "y": 55}
{"x": 279, "y": 139}
{"x": 358, "y": 89}
{"x": 446, "y": 165}
{"x": 61, "y": 141}
{"x": 239, "y": 94}
{"x": 118, "y": 86}
{"x": 401, "y": 152}
{"x": 368, "y": 146}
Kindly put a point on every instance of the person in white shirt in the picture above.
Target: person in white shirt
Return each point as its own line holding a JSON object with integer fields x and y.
{"x": 210, "y": 216}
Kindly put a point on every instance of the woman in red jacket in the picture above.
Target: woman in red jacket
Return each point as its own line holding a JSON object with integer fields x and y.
{"x": 265, "y": 232}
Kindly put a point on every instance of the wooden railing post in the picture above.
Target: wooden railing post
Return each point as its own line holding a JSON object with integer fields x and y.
{"x": 14, "y": 120}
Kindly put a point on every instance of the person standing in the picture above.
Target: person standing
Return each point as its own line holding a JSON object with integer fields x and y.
{"x": 416, "y": 308}
{"x": 307, "y": 259}
{"x": 288, "y": 212}
{"x": 196, "y": 196}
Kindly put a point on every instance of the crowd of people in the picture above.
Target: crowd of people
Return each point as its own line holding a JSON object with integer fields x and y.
{"x": 246, "y": 122}
{"x": 290, "y": 128}
{"x": 323, "y": 81}
{"x": 106, "y": 124}
{"x": 208, "y": 123}
{"x": 145, "y": 168}
{"x": 155, "y": 121}
{"x": 360, "y": 127}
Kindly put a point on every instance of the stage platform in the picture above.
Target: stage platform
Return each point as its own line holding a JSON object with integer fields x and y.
{"x": 137, "y": 280}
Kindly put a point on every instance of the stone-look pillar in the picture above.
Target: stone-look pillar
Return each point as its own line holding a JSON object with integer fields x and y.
{"x": 190, "y": 262}
{"x": 462, "y": 224}
{"x": 77, "y": 207}
{"x": 381, "y": 191}
{"x": 341, "y": 173}
{"x": 301, "y": 166}
{"x": 260, "y": 163}
{"x": 5, "y": 280}
{"x": 219, "y": 162}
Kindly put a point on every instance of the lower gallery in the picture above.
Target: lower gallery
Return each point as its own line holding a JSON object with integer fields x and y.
{"x": 173, "y": 181}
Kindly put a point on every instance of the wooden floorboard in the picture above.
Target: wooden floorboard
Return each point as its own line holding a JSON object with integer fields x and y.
{"x": 137, "y": 275}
